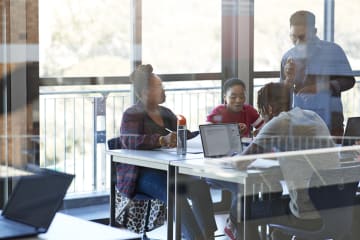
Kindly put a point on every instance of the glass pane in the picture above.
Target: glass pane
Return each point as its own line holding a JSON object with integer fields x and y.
{"x": 68, "y": 140}
{"x": 271, "y": 32}
{"x": 183, "y": 98}
{"x": 347, "y": 31}
{"x": 182, "y": 36}
{"x": 259, "y": 83}
{"x": 351, "y": 101}
{"x": 84, "y": 38}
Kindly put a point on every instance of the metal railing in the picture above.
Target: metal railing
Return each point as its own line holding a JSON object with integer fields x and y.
{"x": 74, "y": 127}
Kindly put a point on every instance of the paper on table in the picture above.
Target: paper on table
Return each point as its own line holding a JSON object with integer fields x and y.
{"x": 264, "y": 163}
{"x": 194, "y": 145}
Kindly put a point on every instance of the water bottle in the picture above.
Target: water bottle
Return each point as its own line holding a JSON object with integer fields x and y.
{"x": 181, "y": 135}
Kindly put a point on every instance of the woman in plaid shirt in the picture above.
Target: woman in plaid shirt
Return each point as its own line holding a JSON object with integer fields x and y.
{"x": 144, "y": 127}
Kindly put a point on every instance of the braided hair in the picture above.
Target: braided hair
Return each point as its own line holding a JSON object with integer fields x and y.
{"x": 277, "y": 95}
{"x": 140, "y": 78}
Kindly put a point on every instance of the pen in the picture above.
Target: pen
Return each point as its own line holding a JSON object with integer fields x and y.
{"x": 168, "y": 130}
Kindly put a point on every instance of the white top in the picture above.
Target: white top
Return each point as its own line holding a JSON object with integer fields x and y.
{"x": 294, "y": 130}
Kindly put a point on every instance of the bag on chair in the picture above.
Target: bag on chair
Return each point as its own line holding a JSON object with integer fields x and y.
{"x": 135, "y": 215}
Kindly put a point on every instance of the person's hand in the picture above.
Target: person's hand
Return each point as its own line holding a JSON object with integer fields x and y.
{"x": 312, "y": 89}
{"x": 169, "y": 140}
{"x": 255, "y": 132}
{"x": 242, "y": 127}
{"x": 243, "y": 164}
{"x": 289, "y": 69}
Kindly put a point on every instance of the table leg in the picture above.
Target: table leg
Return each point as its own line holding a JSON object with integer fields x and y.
{"x": 245, "y": 208}
{"x": 177, "y": 206}
{"x": 112, "y": 191}
{"x": 170, "y": 201}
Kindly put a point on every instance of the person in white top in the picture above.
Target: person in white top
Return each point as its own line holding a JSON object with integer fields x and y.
{"x": 292, "y": 130}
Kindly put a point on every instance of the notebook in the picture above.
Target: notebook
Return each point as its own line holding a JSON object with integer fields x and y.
{"x": 220, "y": 139}
{"x": 33, "y": 204}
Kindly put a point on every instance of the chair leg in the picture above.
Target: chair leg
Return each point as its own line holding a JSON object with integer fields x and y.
{"x": 147, "y": 217}
{"x": 144, "y": 237}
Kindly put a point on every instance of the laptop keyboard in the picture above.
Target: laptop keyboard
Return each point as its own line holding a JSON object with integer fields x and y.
{"x": 10, "y": 228}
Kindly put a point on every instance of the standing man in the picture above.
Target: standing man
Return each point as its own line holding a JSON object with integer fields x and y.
{"x": 316, "y": 71}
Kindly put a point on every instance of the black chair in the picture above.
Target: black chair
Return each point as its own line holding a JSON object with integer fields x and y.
{"x": 115, "y": 143}
{"x": 333, "y": 194}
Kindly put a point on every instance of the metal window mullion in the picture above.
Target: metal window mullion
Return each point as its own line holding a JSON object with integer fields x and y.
{"x": 94, "y": 145}
{"x": 64, "y": 132}
{"x": 45, "y": 131}
{"x": 83, "y": 141}
{"x": 114, "y": 116}
{"x": 329, "y": 6}
{"x": 55, "y": 133}
{"x": 136, "y": 33}
{"x": 74, "y": 135}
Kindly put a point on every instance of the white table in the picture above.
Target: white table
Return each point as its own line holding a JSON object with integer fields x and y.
{"x": 250, "y": 180}
{"x": 156, "y": 159}
{"x": 68, "y": 227}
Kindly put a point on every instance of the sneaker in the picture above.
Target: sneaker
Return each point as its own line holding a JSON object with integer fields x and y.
{"x": 230, "y": 230}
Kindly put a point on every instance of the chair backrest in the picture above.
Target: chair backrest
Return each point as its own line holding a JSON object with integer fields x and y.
{"x": 334, "y": 188}
{"x": 333, "y": 193}
{"x": 114, "y": 143}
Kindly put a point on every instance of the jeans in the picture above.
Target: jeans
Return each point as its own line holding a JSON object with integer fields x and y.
{"x": 234, "y": 188}
{"x": 197, "y": 222}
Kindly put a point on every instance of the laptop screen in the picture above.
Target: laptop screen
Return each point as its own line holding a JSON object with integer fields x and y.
{"x": 221, "y": 139}
{"x": 352, "y": 131}
{"x": 36, "y": 199}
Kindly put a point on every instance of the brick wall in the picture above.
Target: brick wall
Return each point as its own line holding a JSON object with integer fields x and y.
{"x": 21, "y": 78}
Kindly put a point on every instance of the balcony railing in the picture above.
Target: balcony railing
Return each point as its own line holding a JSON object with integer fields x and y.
{"x": 74, "y": 127}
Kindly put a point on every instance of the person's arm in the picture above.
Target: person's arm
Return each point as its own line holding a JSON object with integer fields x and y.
{"x": 289, "y": 71}
{"x": 343, "y": 79}
{"x": 256, "y": 120}
{"x": 253, "y": 148}
{"x": 341, "y": 83}
{"x": 337, "y": 84}
{"x": 216, "y": 115}
{"x": 132, "y": 132}
{"x": 282, "y": 72}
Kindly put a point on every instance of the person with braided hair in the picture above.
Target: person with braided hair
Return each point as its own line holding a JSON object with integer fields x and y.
{"x": 145, "y": 126}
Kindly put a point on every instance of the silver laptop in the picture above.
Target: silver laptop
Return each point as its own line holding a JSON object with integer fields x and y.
{"x": 33, "y": 203}
{"x": 220, "y": 139}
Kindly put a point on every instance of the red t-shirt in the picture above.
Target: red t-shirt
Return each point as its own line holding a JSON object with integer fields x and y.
{"x": 247, "y": 115}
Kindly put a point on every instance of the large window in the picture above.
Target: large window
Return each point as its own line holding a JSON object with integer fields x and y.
{"x": 182, "y": 36}
{"x": 346, "y": 30}
{"x": 192, "y": 44}
{"x": 271, "y": 29}
{"x": 84, "y": 38}
{"x": 271, "y": 38}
